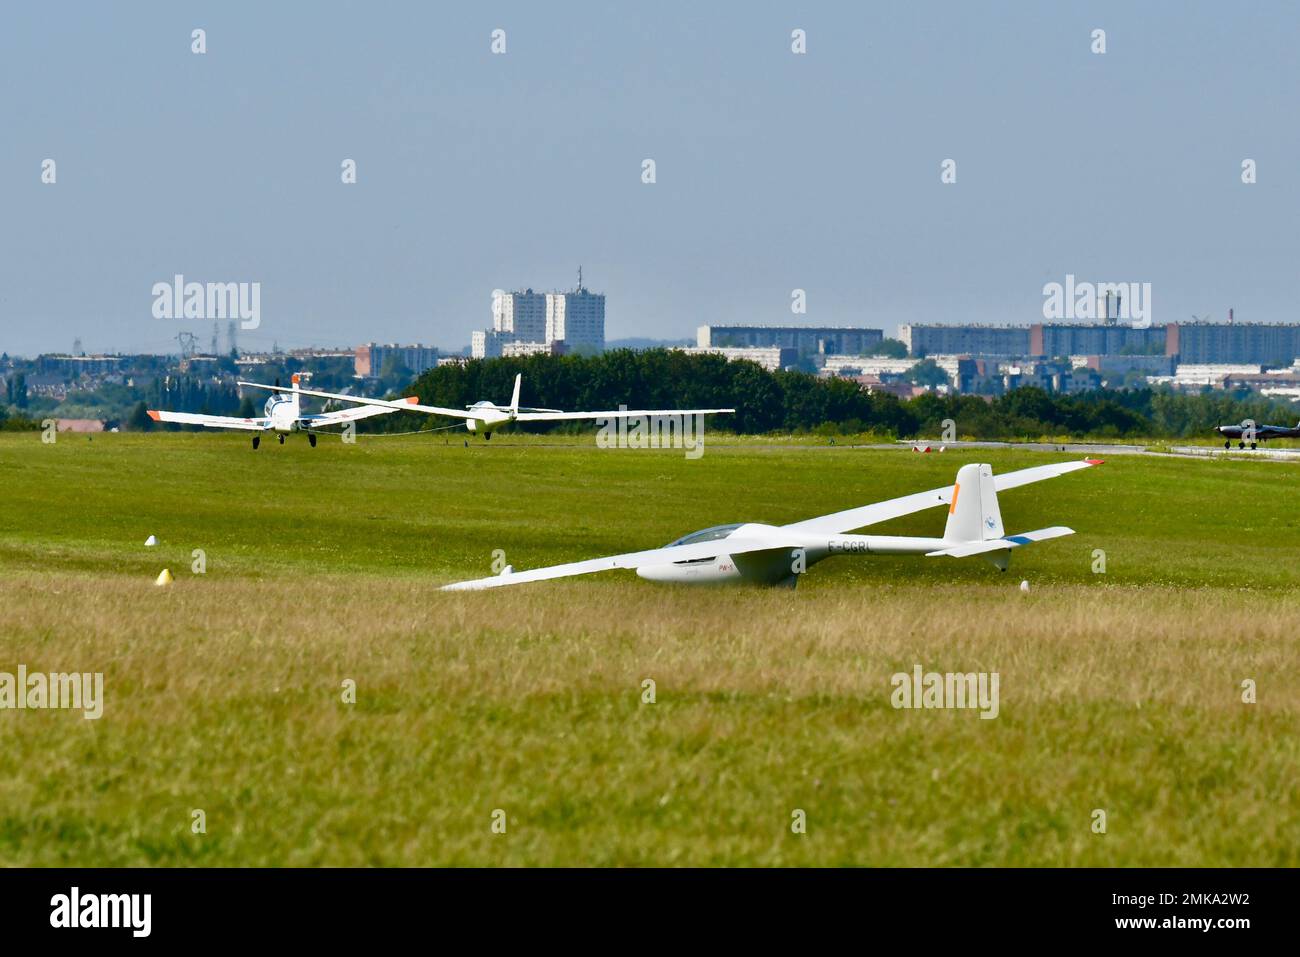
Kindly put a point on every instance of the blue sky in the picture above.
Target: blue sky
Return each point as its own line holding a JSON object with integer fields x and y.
{"x": 775, "y": 171}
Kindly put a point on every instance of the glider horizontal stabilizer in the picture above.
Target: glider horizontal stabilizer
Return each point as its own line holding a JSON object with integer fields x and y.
{"x": 966, "y": 549}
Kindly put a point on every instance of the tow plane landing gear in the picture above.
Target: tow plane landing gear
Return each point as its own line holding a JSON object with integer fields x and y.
{"x": 311, "y": 439}
{"x": 282, "y": 439}
{"x": 257, "y": 440}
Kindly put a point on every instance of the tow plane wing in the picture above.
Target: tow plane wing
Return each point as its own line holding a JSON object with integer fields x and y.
{"x": 211, "y": 421}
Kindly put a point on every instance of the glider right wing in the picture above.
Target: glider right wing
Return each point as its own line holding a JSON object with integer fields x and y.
{"x": 399, "y": 405}
{"x": 620, "y": 414}
{"x": 838, "y": 523}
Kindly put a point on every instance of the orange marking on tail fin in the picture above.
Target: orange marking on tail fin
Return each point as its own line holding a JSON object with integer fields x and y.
{"x": 154, "y": 415}
{"x": 953, "y": 507}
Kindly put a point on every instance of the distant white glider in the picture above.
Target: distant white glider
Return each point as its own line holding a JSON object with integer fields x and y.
{"x": 486, "y": 417}
{"x": 777, "y": 554}
{"x": 282, "y": 414}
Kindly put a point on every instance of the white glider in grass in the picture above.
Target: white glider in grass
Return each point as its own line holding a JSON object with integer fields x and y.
{"x": 283, "y": 413}
{"x": 485, "y": 417}
{"x": 778, "y": 554}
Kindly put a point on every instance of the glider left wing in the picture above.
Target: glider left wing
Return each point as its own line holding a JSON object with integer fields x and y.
{"x": 653, "y": 556}
{"x": 399, "y": 405}
{"x": 352, "y": 414}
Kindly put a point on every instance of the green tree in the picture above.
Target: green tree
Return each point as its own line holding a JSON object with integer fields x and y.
{"x": 139, "y": 420}
{"x": 927, "y": 372}
{"x": 394, "y": 373}
{"x": 890, "y": 349}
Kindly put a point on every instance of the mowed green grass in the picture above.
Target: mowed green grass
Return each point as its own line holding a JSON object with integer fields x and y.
{"x": 1119, "y": 691}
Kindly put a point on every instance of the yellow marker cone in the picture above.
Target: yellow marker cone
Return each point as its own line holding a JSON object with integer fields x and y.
{"x": 164, "y": 577}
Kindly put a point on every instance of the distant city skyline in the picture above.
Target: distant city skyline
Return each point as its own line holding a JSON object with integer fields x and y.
{"x": 774, "y": 171}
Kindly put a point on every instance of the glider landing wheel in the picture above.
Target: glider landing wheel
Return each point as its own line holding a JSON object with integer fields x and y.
{"x": 257, "y": 440}
{"x": 282, "y": 440}
{"x": 311, "y": 439}
{"x": 487, "y": 436}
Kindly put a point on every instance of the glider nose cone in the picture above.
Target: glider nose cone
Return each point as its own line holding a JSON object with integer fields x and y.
{"x": 655, "y": 573}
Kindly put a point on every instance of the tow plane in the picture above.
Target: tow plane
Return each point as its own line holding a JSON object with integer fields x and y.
{"x": 1249, "y": 432}
{"x": 282, "y": 414}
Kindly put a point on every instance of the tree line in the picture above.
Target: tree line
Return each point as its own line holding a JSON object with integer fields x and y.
{"x": 765, "y": 402}
{"x": 798, "y": 402}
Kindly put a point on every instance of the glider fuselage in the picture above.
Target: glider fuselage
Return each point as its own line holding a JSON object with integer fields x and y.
{"x": 778, "y": 564}
{"x": 488, "y": 418}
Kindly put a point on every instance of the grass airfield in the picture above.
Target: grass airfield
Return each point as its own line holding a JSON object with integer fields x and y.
{"x": 1119, "y": 691}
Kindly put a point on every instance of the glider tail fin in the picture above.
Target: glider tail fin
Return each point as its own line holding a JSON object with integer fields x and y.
{"x": 514, "y": 399}
{"x": 975, "y": 521}
{"x": 973, "y": 515}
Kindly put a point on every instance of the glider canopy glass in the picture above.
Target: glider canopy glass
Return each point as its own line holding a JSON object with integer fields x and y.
{"x": 706, "y": 535}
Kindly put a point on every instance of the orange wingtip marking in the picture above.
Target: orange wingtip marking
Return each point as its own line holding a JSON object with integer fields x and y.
{"x": 1095, "y": 461}
{"x": 412, "y": 400}
{"x": 154, "y": 415}
{"x": 953, "y": 507}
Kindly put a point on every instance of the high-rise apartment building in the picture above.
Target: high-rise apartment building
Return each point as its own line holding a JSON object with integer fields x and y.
{"x": 553, "y": 322}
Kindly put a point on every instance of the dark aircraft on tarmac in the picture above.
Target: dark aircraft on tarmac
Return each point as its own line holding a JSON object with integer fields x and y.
{"x": 1250, "y": 433}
